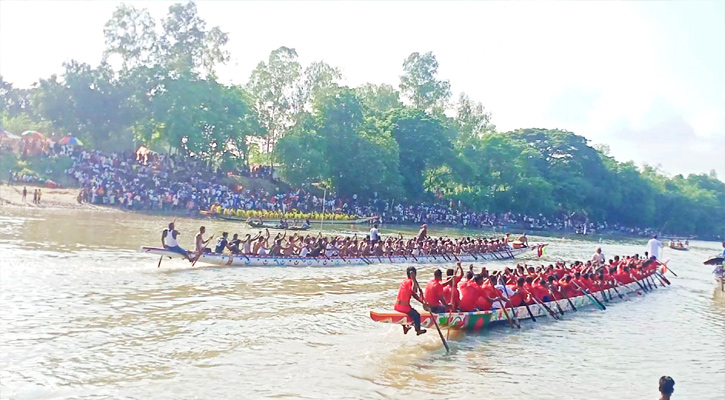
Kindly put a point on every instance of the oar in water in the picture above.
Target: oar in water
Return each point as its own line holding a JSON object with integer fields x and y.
{"x": 659, "y": 275}
{"x": 553, "y": 298}
{"x": 617, "y": 291}
{"x": 433, "y": 317}
{"x": 513, "y": 318}
{"x": 528, "y": 309}
{"x": 544, "y": 306}
{"x": 619, "y": 284}
{"x": 563, "y": 294}
{"x": 638, "y": 283}
{"x": 590, "y": 297}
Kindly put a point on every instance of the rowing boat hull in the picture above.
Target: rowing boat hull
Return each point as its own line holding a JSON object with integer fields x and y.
{"x": 678, "y": 248}
{"x": 485, "y": 319}
{"x": 272, "y": 261}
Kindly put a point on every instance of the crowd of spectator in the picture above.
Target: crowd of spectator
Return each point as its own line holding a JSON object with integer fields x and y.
{"x": 180, "y": 184}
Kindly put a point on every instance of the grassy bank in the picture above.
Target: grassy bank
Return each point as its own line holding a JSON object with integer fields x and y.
{"x": 39, "y": 167}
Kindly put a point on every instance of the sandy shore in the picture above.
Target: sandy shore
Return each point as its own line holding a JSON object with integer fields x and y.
{"x": 66, "y": 198}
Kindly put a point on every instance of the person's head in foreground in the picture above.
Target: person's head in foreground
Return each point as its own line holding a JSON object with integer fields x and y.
{"x": 667, "y": 386}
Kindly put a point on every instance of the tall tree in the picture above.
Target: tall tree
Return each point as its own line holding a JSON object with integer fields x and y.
{"x": 379, "y": 98}
{"x": 319, "y": 78}
{"x": 420, "y": 83}
{"x": 272, "y": 88}
{"x": 187, "y": 45}
{"x": 423, "y": 145}
{"x": 131, "y": 35}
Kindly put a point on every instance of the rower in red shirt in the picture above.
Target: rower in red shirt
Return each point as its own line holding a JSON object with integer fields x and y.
{"x": 623, "y": 277}
{"x": 406, "y": 290}
{"x": 554, "y": 287}
{"x": 488, "y": 294}
{"x": 517, "y": 299}
{"x": 470, "y": 292}
{"x": 434, "y": 293}
{"x": 452, "y": 299}
{"x": 568, "y": 287}
{"x": 535, "y": 288}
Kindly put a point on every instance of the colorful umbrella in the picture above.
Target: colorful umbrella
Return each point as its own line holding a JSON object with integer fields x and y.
{"x": 32, "y": 135}
{"x": 71, "y": 140}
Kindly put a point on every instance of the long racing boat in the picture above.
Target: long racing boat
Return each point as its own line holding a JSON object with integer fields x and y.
{"x": 240, "y": 260}
{"x": 484, "y": 319}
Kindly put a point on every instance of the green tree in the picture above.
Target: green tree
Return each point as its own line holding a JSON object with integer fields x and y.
{"x": 379, "y": 99}
{"x": 420, "y": 83}
{"x": 187, "y": 45}
{"x": 272, "y": 88}
{"x": 319, "y": 78}
{"x": 131, "y": 35}
{"x": 423, "y": 145}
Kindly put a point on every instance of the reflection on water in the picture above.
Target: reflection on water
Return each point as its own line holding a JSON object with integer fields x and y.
{"x": 83, "y": 315}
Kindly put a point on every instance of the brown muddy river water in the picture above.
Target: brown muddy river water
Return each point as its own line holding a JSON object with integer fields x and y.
{"x": 84, "y": 315}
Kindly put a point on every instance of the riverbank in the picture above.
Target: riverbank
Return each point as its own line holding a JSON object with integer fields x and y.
{"x": 59, "y": 198}
{"x": 66, "y": 198}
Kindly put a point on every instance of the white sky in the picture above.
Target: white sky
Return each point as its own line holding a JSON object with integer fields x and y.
{"x": 646, "y": 78}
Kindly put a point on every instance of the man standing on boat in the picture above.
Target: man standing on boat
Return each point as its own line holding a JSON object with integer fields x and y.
{"x": 406, "y": 290}
{"x": 653, "y": 247}
{"x": 598, "y": 257}
{"x": 169, "y": 242}
{"x": 374, "y": 234}
{"x": 422, "y": 233}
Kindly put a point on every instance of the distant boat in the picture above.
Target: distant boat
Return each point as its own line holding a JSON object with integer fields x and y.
{"x": 678, "y": 246}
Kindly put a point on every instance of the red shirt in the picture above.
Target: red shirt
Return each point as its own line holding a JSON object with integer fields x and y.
{"x": 447, "y": 293}
{"x": 540, "y": 292}
{"x": 623, "y": 277}
{"x": 433, "y": 292}
{"x": 517, "y": 298}
{"x": 487, "y": 291}
{"x": 570, "y": 290}
{"x": 470, "y": 291}
{"x": 405, "y": 292}
{"x": 555, "y": 291}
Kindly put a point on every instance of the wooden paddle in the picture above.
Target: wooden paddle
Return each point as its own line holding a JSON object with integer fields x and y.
{"x": 561, "y": 310}
{"x": 638, "y": 283}
{"x": 590, "y": 297}
{"x": 528, "y": 309}
{"x": 563, "y": 294}
{"x": 541, "y": 304}
{"x": 433, "y": 317}
{"x": 659, "y": 275}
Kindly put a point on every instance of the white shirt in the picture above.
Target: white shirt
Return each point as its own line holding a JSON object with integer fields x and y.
{"x": 170, "y": 240}
{"x": 262, "y": 251}
{"x": 374, "y": 234}
{"x": 304, "y": 251}
{"x": 653, "y": 247}
{"x": 598, "y": 258}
